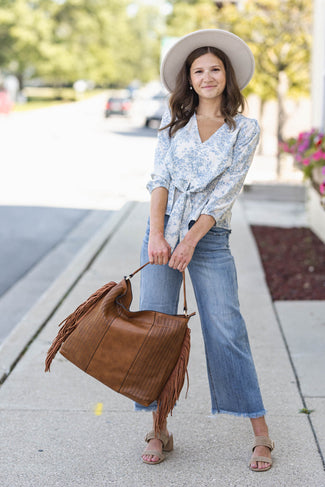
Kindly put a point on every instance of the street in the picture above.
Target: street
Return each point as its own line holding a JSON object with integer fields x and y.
{"x": 71, "y": 156}
{"x": 63, "y": 170}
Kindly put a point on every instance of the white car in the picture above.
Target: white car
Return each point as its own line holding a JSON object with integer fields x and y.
{"x": 155, "y": 109}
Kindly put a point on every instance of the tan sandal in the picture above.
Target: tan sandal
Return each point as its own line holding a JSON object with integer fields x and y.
{"x": 261, "y": 441}
{"x": 167, "y": 445}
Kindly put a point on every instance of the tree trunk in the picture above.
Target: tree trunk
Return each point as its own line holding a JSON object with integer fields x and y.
{"x": 20, "y": 78}
{"x": 281, "y": 93}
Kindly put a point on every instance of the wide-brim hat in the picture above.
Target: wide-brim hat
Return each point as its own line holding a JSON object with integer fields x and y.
{"x": 240, "y": 55}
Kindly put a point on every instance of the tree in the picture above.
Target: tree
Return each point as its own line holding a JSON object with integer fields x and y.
{"x": 146, "y": 29}
{"x": 277, "y": 31}
{"x": 25, "y": 34}
{"x": 89, "y": 38}
{"x": 279, "y": 34}
{"x": 189, "y": 16}
{"x": 62, "y": 41}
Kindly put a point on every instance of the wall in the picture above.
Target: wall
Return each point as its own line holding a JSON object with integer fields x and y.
{"x": 318, "y": 66}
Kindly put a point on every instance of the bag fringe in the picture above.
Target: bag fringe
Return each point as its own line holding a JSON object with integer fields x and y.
{"x": 71, "y": 322}
{"x": 173, "y": 387}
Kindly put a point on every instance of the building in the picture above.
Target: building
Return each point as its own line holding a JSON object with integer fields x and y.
{"x": 318, "y": 66}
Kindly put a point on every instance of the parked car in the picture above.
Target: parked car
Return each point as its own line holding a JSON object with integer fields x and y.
{"x": 155, "y": 109}
{"x": 118, "y": 106}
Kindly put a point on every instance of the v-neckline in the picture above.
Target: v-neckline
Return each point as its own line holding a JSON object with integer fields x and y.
{"x": 198, "y": 132}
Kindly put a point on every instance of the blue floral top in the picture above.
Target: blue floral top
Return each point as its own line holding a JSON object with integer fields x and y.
{"x": 202, "y": 177}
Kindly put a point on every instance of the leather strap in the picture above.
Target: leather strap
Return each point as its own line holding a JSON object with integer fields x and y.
{"x": 263, "y": 441}
{"x": 184, "y": 286}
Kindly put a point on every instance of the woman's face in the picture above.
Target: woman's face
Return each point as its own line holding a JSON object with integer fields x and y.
{"x": 208, "y": 76}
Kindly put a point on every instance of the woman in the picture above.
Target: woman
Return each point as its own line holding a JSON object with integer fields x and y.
{"x": 205, "y": 147}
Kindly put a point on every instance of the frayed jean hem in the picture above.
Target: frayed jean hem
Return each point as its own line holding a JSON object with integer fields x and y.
{"x": 151, "y": 407}
{"x": 260, "y": 414}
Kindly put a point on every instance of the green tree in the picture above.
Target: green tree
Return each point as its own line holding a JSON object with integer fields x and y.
{"x": 279, "y": 34}
{"x": 189, "y": 16}
{"x": 25, "y": 33}
{"x": 277, "y": 31}
{"x": 88, "y": 41}
{"x": 61, "y": 41}
{"x": 146, "y": 29}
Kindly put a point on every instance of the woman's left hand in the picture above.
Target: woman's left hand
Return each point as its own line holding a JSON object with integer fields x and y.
{"x": 181, "y": 256}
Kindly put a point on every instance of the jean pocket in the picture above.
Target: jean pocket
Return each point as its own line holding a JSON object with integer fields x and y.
{"x": 221, "y": 232}
{"x": 217, "y": 239}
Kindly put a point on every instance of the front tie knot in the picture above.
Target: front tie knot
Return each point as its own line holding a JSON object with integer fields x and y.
{"x": 177, "y": 225}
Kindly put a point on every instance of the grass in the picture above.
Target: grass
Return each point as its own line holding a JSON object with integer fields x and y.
{"x": 34, "y": 104}
{"x": 48, "y": 97}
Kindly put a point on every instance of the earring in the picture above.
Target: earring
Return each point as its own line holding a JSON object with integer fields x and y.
{"x": 191, "y": 87}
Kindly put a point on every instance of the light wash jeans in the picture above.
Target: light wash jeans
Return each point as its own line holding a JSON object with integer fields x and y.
{"x": 232, "y": 377}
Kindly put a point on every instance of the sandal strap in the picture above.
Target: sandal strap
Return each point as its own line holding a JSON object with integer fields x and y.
{"x": 154, "y": 453}
{"x": 260, "y": 459}
{"x": 263, "y": 441}
{"x": 159, "y": 436}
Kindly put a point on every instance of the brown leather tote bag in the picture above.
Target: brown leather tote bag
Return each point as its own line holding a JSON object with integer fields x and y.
{"x": 142, "y": 355}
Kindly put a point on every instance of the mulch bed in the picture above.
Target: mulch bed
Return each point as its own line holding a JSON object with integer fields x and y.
{"x": 293, "y": 261}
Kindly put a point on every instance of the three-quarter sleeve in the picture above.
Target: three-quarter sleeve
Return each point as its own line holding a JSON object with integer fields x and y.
{"x": 229, "y": 184}
{"x": 160, "y": 176}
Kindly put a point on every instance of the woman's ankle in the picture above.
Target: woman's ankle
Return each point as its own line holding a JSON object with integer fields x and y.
{"x": 164, "y": 425}
{"x": 259, "y": 426}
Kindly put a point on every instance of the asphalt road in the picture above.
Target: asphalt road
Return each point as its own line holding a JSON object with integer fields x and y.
{"x": 27, "y": 234}
{"x": 70, "y": 156}
{"x": 64, "y": 170}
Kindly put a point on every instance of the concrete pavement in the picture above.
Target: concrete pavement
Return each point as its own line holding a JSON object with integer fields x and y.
{"x": 66, "y": 429}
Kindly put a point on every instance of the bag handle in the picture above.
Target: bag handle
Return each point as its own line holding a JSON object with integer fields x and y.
{"x": 184, "y": 287}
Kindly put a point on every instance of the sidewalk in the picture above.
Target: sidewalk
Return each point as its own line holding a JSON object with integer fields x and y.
{"x": 66, "y": 429}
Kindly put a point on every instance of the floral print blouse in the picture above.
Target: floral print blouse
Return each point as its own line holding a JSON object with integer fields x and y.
{"x": 202, "y": 178}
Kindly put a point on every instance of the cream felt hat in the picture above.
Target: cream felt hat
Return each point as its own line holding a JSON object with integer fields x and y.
{"x": 234, "y": 47}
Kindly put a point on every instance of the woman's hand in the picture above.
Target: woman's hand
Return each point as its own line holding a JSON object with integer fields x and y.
{"x": 184, "y": 251}
{"x": 159, "y": 250}
{"x": 182, "y": 256}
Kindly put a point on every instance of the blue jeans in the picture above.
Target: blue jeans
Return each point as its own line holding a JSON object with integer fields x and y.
{"x": 232, "y": 377}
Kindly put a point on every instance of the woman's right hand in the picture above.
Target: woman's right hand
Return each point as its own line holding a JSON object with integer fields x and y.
{"x": 159, "y": 250}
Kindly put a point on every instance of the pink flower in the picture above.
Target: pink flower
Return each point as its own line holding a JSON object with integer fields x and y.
{"x": 319, "y": 155}
{"x": 306, "y": 161}
{"x": 322, "y": 188}
{"x": 323, "y": 170}
{"x": 298, "y": 158}
{"x": 304, "y": 146}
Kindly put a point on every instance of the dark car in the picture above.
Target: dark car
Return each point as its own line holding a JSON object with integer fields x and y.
{"x": 118, "y": 106}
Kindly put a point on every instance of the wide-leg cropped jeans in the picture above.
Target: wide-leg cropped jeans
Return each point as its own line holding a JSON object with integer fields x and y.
{"x": 232, "y": 377}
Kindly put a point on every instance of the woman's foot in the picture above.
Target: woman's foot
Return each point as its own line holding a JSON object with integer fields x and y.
{"x": 260, "y": 451}
{"x": 153, "y": 453}
{"x": 154, "y": 445}
{"x": 262, "y": 446}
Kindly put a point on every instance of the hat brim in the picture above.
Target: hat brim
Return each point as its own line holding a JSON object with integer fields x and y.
{"x": 240, "y": 55}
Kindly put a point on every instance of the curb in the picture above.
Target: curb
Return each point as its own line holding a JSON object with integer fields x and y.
{"x": 15, "y": 345}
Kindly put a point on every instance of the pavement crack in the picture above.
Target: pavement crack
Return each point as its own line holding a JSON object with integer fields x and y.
{"x": 309, "y": 419}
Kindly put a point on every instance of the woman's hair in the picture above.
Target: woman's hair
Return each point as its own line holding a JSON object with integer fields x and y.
{"x": 184, "y": 101}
